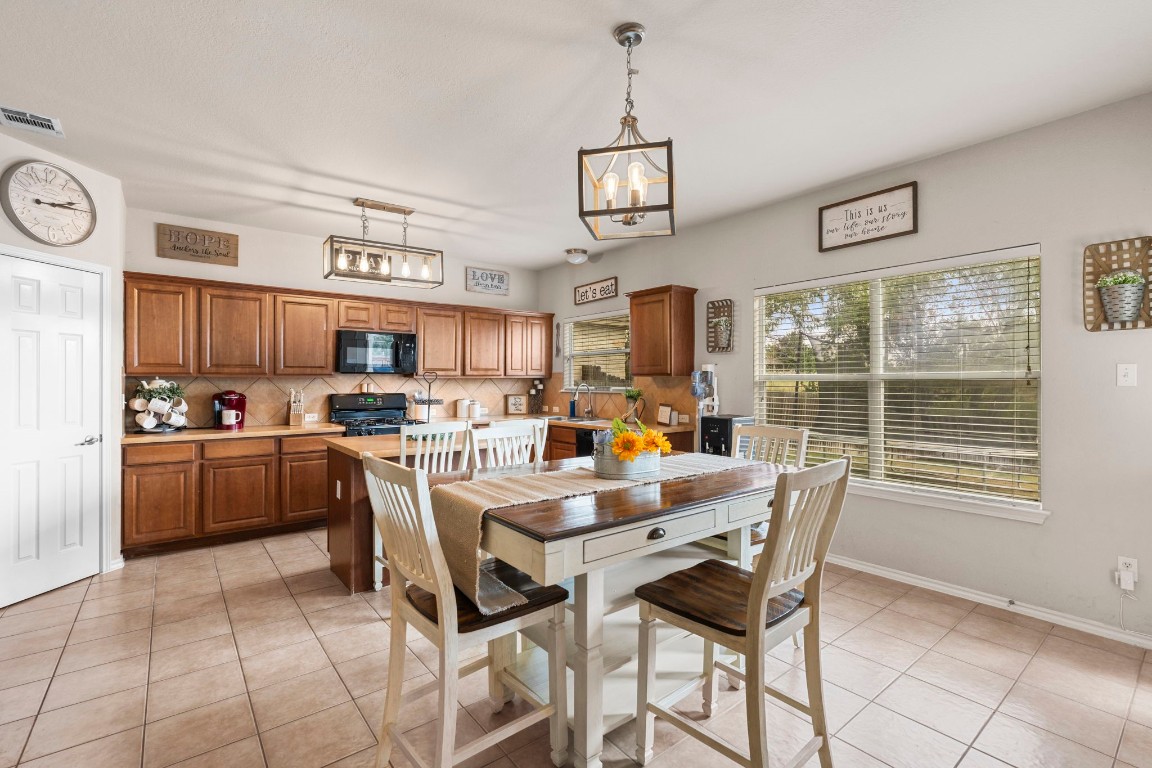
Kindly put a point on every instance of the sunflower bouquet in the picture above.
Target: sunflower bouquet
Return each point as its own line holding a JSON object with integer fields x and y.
{"x": 621, "y": 444}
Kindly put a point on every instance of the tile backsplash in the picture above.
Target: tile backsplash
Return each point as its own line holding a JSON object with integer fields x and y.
{"x": 268, "y": 397}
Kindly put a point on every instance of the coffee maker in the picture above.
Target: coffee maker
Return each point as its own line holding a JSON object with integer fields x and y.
{"x": 229, "y": 409}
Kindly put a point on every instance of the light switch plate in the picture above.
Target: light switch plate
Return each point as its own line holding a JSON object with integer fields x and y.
{"x": 684, "y": 418}
{"x": 1126, "y": 374}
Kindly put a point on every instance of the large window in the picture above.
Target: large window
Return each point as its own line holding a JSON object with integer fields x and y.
{"x": 596, "y": 352}
{"x": 929, "y": 379}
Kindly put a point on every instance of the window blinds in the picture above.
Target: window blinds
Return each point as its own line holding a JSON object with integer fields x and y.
{"x": 929, "y": 379}
{"x": 596, "y": 352}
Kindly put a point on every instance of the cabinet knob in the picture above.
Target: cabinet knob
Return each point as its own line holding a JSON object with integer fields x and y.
{"x": 657, "y": 533}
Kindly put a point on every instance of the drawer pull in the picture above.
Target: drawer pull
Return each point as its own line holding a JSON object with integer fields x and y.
{"x": 657, "y": 533}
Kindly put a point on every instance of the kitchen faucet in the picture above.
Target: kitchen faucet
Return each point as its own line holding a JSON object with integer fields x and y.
{"x": 576, "y": 398}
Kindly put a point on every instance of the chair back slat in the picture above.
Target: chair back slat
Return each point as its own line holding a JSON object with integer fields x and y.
{"x": 402, "y": 509}
{"x": 433, "y": 447}
{"x": 770, "y": 443}
{"x": 805, "y": 511}
{"x": 541, "y": 427}
{"x": 508, "y": 445}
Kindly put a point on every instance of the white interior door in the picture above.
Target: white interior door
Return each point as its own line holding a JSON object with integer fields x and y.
{"x": 50, "y": 419}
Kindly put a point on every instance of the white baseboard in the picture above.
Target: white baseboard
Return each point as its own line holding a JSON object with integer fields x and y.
{"x": 1044, "y": 614}
{"x": 114, "y": 565}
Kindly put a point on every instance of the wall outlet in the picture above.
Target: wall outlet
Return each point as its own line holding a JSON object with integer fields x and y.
{"x": 311, "y": 417}
{"x": 555, "y": 409}
{"x": 684, "y": 418}
{"x": 1126, "y": 374}
{"x": 1128, "y": 565}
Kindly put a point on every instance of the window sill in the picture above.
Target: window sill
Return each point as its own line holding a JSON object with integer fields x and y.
{"x": 1026, "y": 513}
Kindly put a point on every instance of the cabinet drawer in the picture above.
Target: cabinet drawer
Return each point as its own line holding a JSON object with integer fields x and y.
{"x": 229, "y": 449}
{"x": 751, "y": 510}
{"x": 562, "y": 435}
{"x": 648, "y": 535}
{"x": 136, "y": 455}
{"x": 304, "y": 444}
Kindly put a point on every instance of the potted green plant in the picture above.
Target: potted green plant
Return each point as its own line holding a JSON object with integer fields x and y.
{"x": 633, "y": 395}
{"x": 1122, "y": 295}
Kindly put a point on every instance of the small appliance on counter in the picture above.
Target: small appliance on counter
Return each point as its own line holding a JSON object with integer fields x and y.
{"x": 361, "y": 415}
{"x": 716, "y": 432}
{"x": 229, "y": 408}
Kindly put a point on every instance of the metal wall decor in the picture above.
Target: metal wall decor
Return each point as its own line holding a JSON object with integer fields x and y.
{"x": 720, "y": 326}
{"x": 1100, "y": 259}
{"x": 367, "y": 261}
{"x": 627, "y": 189}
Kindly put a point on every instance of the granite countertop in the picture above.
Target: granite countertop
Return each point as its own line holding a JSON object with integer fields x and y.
{"x": 274, "y": 430}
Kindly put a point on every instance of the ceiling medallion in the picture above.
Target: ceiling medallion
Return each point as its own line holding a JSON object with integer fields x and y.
{"x": 627, "y": 188}
{"x": 366, "y": 261}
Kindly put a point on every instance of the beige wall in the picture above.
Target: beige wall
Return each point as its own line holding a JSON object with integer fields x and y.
{"x": 288, "y": 260}
{"x": 1064, "y": 185}
{"x": 105, "y": 247}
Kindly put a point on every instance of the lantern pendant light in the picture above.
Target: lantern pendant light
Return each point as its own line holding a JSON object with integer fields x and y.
{"x": 627, "y": 189}
{"x": 366, "y": 261}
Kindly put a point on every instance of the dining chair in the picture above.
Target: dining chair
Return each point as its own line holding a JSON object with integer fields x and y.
{"x": 433, "y": 448}
{"x": 423, "y": 595}
{"x": 750, "y": 612}
{"x": 509, "y": 445}
{"x": 541, "y": 426}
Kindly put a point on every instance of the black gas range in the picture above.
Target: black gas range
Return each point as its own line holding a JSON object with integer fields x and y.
{"x": 378, "y": 414}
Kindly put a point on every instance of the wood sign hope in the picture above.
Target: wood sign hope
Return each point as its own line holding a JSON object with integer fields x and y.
{"x": 200, "y": 245}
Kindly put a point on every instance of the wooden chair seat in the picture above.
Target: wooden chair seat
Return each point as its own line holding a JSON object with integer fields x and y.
{"x": 468, "y": 616}
{"x": 715, "y": 594}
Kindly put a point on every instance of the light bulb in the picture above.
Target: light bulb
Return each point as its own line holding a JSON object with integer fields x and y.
{"x": 405, "y": 270}
{"x": 341, "y": 260}
{"x": 425, "y": 272}
{"x": 364, "y": 266}
{"x": 644, "y": 190}
{"x": 635, "y": 184}
{"x": 386, "y": 265}
{"x": 611, "y": 184}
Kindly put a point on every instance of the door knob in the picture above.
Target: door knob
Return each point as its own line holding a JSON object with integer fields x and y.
{"x": 90, "y": 440}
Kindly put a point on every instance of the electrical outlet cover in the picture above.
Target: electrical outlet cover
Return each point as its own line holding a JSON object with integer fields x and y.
{"x": 1124, "y": 564}
{"x": 311, "y": 417}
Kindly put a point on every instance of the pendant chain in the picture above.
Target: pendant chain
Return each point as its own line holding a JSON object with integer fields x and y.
{"x": 628, "y": 94}
{"x": 405, "y": 235}
{"x": 363, "y": 225}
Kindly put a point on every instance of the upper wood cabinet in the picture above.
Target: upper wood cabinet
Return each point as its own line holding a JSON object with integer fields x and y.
{"x": 305, "y": 343}
{"x": 398, "y": 318}
{"x": 483, "y": 344}
{"x": 663, "y": 331}
{"x": 159, "y": 328}
{"x": 538, "y": 347}
{"x": 441, "y": 340}
{"x": 235, "y": 331}
{"x": 360, "y": 315}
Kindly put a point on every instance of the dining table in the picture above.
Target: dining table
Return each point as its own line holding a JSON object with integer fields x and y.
{"x": 604, "y": 544}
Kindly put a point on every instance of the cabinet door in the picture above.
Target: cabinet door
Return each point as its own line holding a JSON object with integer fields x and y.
{"x": 515, "y": 349}
{"x": 159, "y": 503}
{"x": 439, "y": 341}
{"x": 483, "y": 344}
{"x": 304, "y": 340}
{"x": 398, "y": 318}
{"x": 235, "y": 331}
{"x": 538, "y": 348}
{"x": 303, "y": 487}
{"x": 561, "y": 451}
{"x": 159, "y": 328}
{"x": 360, "y": 315}
{"x": 237, "y": 494}
{"x": 651, "y": 345}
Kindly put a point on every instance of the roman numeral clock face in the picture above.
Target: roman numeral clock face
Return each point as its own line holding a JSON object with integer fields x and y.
{"x": 47, "y": 203}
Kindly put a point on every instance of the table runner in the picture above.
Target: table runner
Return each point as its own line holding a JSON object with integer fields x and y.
{"x": 459, "y": 511}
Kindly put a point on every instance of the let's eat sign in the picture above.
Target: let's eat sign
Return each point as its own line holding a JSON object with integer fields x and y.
{"x": 601, "y": 289}
{"x": 202, "y": 245}
{"x": 876, "y": 216}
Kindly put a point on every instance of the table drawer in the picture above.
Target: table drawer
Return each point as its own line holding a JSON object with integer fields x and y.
{"x": 231, "y": 449}
{"x": 648, "y": 535}
{"x": 751, "y": 510}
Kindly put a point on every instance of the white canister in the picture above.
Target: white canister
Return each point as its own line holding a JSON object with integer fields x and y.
{"x": 462, "y": 407}
{"x": 418, "y": 411}
{"x": 474, "y": 409}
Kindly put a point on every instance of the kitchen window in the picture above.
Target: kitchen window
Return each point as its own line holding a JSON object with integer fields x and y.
{"x": 596, "y": 352}
{"x": 930, "y": 380}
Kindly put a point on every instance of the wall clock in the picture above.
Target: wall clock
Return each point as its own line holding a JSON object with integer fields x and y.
{"x": 47, "y": 203}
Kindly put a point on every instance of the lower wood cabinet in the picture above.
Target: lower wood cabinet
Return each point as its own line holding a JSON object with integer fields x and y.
{"x": 160, "y": 503}
{"x": 303, "y": 487}
{"x": 237, "y": 494}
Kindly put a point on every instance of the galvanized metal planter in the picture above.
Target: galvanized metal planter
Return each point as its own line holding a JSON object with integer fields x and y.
{"x": 609, "y": 467}
{"x": 1122, "y": 303}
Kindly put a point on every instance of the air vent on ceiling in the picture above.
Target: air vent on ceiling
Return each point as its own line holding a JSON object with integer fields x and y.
{"x": 15, "y": 118}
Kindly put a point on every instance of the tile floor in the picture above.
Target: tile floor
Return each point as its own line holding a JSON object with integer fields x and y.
{"x": 251, "y": 654}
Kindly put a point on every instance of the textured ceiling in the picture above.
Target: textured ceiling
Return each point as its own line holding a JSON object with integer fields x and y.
{"x": 275, "y": 114}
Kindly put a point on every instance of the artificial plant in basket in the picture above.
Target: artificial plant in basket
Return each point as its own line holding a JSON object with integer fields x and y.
{"x": 1121, "y": 295}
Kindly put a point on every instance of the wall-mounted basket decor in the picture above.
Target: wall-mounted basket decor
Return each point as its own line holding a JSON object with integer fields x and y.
{"x": 1101, "y": 259}
{"x": 720, "y": 326}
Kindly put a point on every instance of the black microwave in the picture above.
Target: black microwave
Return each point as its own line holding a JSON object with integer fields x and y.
{"x": 375, "y": 352}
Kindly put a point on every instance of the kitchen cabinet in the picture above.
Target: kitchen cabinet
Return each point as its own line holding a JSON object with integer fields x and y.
{"x": 159, "y": 328}
{"x": 441, "y": 341}
{"x": 235, "y": 332}
{"x": 561, "y": 443}
{"x": 538, "y": 347}
{"x": 160, "y": 503}
{"x": 484, "y": 344}
{"x": 238, "y": 494}
{"x": 305, "y": 343}
{"x": 515, "y": 345}
{"x": 663, "y": 331}
{"x": 356, "y": 315}
{"x": 303, "y": 487}
{"x": 398, "y": 318}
